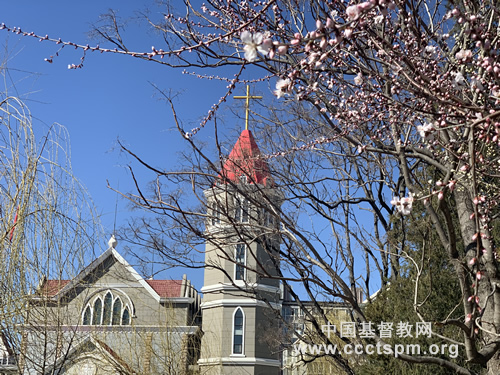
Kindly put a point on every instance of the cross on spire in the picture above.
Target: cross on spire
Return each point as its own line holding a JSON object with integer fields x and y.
{"x": 247, "y": 97}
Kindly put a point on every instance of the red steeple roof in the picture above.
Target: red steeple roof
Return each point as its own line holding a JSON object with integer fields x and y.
{"x": 245, "y": 160}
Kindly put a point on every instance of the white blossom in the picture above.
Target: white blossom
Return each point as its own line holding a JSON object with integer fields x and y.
{"x": 459, "y": 79}
{"x": 358, "y": 80}
{"x": 476, "y": 84}
{"x": 425, "y": 131}
{"x": 431, "y": 51}
{"x": 283, "y": 87}
{"x": 403, "y": 205}
{"x": 253, "y": 43}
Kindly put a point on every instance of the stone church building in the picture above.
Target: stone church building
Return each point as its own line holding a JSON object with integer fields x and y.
{"x": 110, "y": 320}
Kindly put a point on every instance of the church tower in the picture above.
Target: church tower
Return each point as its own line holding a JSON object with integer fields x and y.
{"x": 240, "y": 324}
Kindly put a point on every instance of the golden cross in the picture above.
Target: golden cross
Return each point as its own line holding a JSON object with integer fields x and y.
{"x": 247, "y": 97}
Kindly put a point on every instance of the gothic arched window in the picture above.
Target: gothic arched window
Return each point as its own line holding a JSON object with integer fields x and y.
{"x": 87, "y": 316}
{"x": 108, "y": 308}
{"x": 96, "y": 319}
{"x": 238, "y": 331}
{"x": 125, "y": 317}
{"x": 117, "y": 312}
{"x": 106, "y": 314}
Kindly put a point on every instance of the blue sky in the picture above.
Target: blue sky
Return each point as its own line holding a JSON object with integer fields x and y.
{"x": 111, "y": 98}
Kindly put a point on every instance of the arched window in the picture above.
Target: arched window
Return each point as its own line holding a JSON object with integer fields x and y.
{"x": 117, "y": 312}
{"x": 106, "y": 315}
{"x": 87, "y": 316}
{"x": 96, "y": 319}
{"x": 108, "y": 308}
{"x": 125, "y": 317}
{"x": 238, "y": 331}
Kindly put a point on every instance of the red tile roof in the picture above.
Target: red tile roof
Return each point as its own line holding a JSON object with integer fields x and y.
{"x": 166, "y": 288}
{"x": 245, "y": 160}
{"x": 51, "y": 287}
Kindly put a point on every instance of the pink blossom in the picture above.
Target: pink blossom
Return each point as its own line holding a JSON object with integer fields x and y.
{"x": 352, "y": 12}
{"x": 365, "y": 6}
{"x": 464, "y": 55}
{"x": 282, "y": 50}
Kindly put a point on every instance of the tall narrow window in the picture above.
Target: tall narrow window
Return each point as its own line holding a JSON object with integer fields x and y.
{"x": 125, "y": 317}
{"x": 215, "y": 213}
{"x": 117, "y": 312}
{"x": 238, "y": 327}
{"x": 242, "y": 210}
{"x": 86, "y": 316}
{"x": 106, "y": 315}
{"x": 240, "y": 262}
{"x": 96, "y": 319}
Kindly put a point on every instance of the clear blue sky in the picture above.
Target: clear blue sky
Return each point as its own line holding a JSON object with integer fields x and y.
{"x": 110, "y": 98}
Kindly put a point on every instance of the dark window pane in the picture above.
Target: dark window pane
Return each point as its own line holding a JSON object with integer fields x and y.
{"x": 242, "y": 210}
{"x": 238, "y": 332}
{"x": 245, "y": 209}
{"x": 86, "y": 316}
{"x": 106, "y": 315}
{"x": 215, "y": 213}
{"x": 96, "y": 319}
{"x": 117, "y": 311}
{"x": 240, "y": 262}
{"x": 125, "y": 317}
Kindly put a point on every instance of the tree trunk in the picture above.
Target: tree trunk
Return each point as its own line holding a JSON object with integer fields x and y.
{"x": 487, "y": 311}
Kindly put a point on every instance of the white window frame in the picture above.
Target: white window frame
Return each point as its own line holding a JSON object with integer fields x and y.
{"x": 101, "y": 296}
{"x": 91, "y": 313}
{"x": 242, "y": 354}
{"x": 99, "y": 323}
{"x": 240, "y": 213}
{"x": 244, "y": 264}
{"x": 214, "y": 213}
